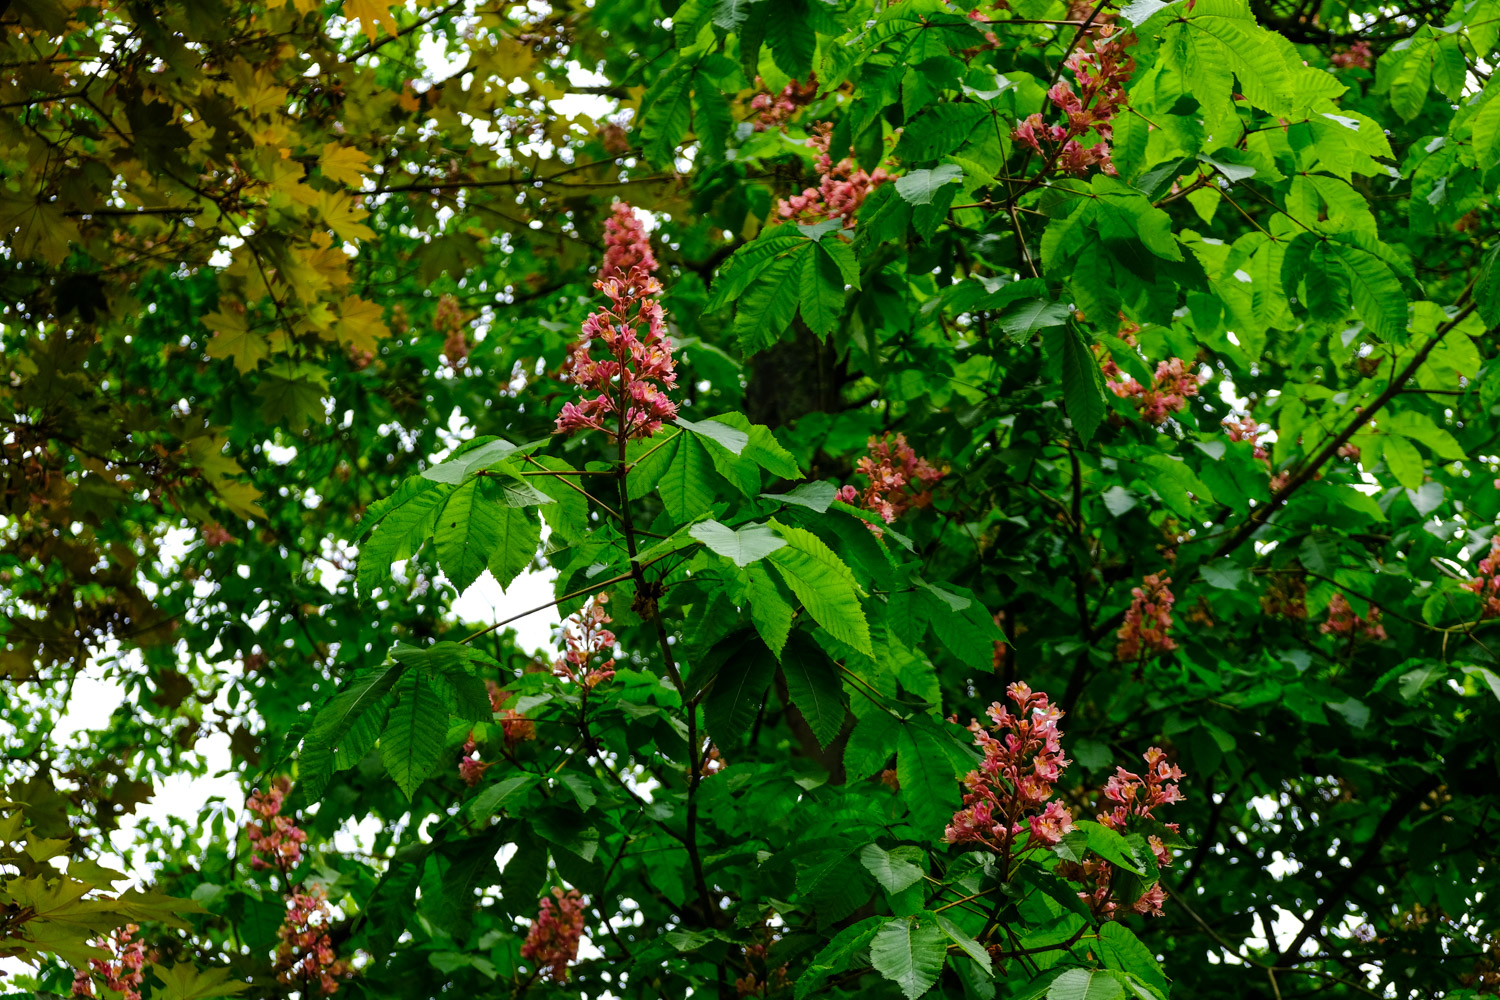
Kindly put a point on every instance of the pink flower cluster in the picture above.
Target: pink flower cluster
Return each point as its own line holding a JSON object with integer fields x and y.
{"x": 448, "y": 319}
{"x": 215, "y": 534}
{"x": 626, "y": 246}
{"x": 1357, "y": 56}
{"x": 1487, "y": 583}
{"x": 899, "y": 480}
{"x": 305, "y": 954}
{"x": 553, "y": 940}
{"x": 1135, "y": 798}
{"x": 1101, "y": 68}
{"x": 841, "y": 189}
{"x": 1343, "y": 621}
{"x": 1172, "y": 384}
{"x": 1011, "y": 792}
{"x": 775, "y": 110}
{"x": 275, "y": 841}
{"x": 1246, "y": 429}
{"x": 516, "y": 727}
{"x": 124, "y": 973}
{"x": 1144, "y": 633}
{"x": 631, "y": 383}
{"x": 584, "y": 636}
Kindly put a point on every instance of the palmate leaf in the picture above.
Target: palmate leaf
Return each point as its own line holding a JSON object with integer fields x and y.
{"x": 738, "y": 689}
{"x": 939, "y": 130}
{"x": 1085, "y": 984}
{"x": 910, "y": 953}
{"x": 468, "y": 529}
{"x": 927, "y": 776}
{"x": 839, "y": 954}
{"x": 365, "y": 696}
{"x": 823, "y": 584}
{"x": 687, "y": 484}
{"x": 412, "y": 743}
{"x": 398, "y": 527}
{"x": 897, "y": 869}
{"x": 770, "y": 612}
{"x": 1120, "y": 949}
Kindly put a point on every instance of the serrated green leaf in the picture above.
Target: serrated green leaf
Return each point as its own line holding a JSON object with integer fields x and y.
{"x": 871, "y": 745}
{"x": 910, "y": 954}
{"x": 813, "y": 685}
{"x": 687, "y": 484}
{"x": 412, "y": 743}
{"x": 770, "y": 612}
{"x": 1083, "y": 386}
{"x": 824, "y": 585}
{"x": 744, "y": 545}
{"x": 1085, "y": 984}
{"x": 489, "y": 802}
{"x": 969, "y": 946}
{"x": 896, "y": 870}
{"x": 1023, "y": 320}
{"x": 1120, "y": 949}
{"x": 920, "y": 187}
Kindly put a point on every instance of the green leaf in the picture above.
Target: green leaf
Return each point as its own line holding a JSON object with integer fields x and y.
{"x": 1083, "y": 386}
{"x": 1085, "y": 984}
{"x": 763, "y": 449}
{"x": 815, "y": 496}
{"x": 399, "y": 531}
{"x": 468, "y": 530}
{"x": 458, "y": 468}
{"x": 364, "y": 696}
{"x": 185, "y": 981}
{"x": 813, "y": 685}
{"x": 1023, "y": 320}
{"x": 871, "y": 745}
{"x": 666, "y": 113}
{"x": 823, "y": 584}
{"x": 970, "y": 947}
{"x": 926, "y": 773}
{"x": 918, "y": 187}
{"x": 739, "y": 686}
{"x": 744, "y": 546}
{"x": 939, "y": 130}
{"x": 897, "y": 869}
{"x": 910, "y": 954}
{"x": 770, "y": 612}
{"x": 687, "y": 484}
{"x": 489, "y": 802}
{"x": 838, "y": 955}
{"x": 732, "y": 438}
{"x": 1404, "y": 461}
{"x": 1412, "y": 78}
{"x": 1120, "y": 949}
{"x": 821, "y": 299}
{"x": 412, "y": 743}
{"x": 1110, "y": 846}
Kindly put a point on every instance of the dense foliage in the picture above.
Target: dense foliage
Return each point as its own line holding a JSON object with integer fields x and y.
{"x": 1018, "y": 481}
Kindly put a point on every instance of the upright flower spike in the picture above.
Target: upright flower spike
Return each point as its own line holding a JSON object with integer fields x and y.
{"x": 1136, "y": 798}
{"x": 275, "y": 841}
{"x": 775, "y": 110}
{"x": 842, "y": 187}
{"x": 626, "y": 246}
{"x": 1148, "y": 620}
{"x": 1010, "y": 795}
{"x": 584, "y": 637}
{"x": 552, "y": 942}
{"x": 898, "y": 479}
{"x": 306, "y": 953}
{"x": 1342, "y": 621}
{"x": 1100, "y": 68}
{"x": 1487, "y": 584}
{"x": 631, "y": 383}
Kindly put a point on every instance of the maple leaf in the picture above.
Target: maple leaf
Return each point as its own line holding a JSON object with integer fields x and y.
{"x": 37, "y": 229}
{"x": 185, "y": 982}
{"x": 369, "y": 13}
{"x": 233, "y": 339}
{"x": 343, "y": 216}
{"x": 344, "y": 164}
{"x": 361, "y": 324}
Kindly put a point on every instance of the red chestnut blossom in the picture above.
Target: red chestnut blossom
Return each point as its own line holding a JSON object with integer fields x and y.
{"x": 1343, "y": 621}
{"x": 214, "y": 534}
{"x": 470, "y": 768}
{"x": 1246, "y": 429}
{"x": 517, "y": 728}
{"x": 584, "y": 635}
{"x": 275, "y": 841}
{"x": 777, "y": 109}
{"x": 631, "y": 383}
{"x": 626, "y": 246}
{"x": 553, "y": 940}
{"x": 1357, "y": 56}
{"x": 841, "y": 189}
{"x": 1009, "y": 794}
{"x": 1144, "y": 633}
{"x": 1135, "y": 797}
{"x": 1487, "y": 583}
{"x": 1100, "y": 68}
{"x": 123, "y": 974}
{"x": 305, "y": 953}
{"x": 899, "y": 480}
{"x": 1170, "y": 387}
{"x": 448, "y": 319}
{"x": 1286, "y": 597}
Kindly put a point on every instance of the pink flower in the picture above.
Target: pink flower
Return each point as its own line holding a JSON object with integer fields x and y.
{"x": 584, "y": 636}
{"x": 1246, "y": 429}
{"x": 776, "y": 110}
{"x": 626, "y": 246}
{"x": 1487, "y": 583}
{"x": 306, "y": 953}
{"x": 632, "y": 402}
{"x": 1343, "y": 621}
{"x": 275, "y": 841}
{"x": 1357, "y": 56}
{"x": 1147, "y": 622}
{"x": 841, "y": 190}
{"x": 1009, "y": 793}
{"x": 123, "y": 974}
{"x": 898, "y": 479}
{"x": 1100, "y": 69}
{"x": 553, "y": 939}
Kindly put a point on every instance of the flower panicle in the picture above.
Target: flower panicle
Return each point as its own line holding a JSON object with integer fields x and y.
{"x": 898, "y": 480}
{"x": 1100, "y": 69}
{"x": 1147, "y": 621}
{"x": 275, "y": 840}
{"x": 552, "y": 942}
{"x": 584, "y": 637}
{"x": 842, "y": 187}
